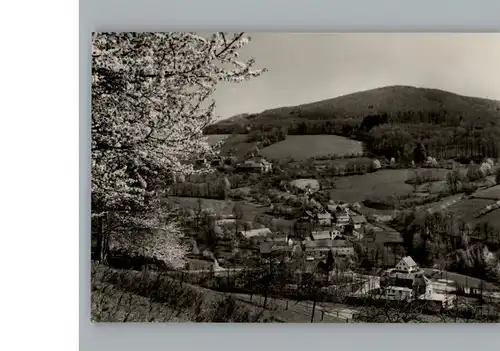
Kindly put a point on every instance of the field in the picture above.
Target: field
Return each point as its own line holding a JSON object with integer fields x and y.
{"x": 467, "y": 208}
{"x": 303, "y": 183}
{"x": 302, "y": 147}
{"x": 221, "y": 207}
{"x": 384, "y": 183}
{"x": 492, "y": 218}
{"x": 215, "y": 138}
{"x": 235, "y": 145}
{"x": 492, "y": 193}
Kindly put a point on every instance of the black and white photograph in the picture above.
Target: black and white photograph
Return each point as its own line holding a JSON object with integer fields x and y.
{"x": 295, "y": 177}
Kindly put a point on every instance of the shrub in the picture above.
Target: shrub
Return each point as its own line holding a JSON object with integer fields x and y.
{"x": 469, "y": 188}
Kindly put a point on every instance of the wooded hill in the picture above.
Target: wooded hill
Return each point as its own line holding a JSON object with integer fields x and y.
{"x": 391, "y": 121}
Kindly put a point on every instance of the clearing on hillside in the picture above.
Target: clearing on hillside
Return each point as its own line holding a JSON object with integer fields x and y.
{"x": 220, "y": 207}
{"x": 383, "y": 183}
{"x": 492, "y": 218}
{"x": 303, "y": 183}
{"x": 492, "y": 193}
{"x": 301, "y": 147}
{"x": 468, "y": 208}
{"x": 213, "y": 139}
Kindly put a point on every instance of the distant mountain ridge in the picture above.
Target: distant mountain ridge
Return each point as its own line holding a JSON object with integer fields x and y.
{"x": 389, "y": 99}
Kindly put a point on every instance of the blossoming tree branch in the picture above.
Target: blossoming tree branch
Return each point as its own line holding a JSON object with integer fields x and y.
{"x": 151, "y": 99}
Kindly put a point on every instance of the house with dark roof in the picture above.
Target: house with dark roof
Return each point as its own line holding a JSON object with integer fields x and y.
{"x": 342, "y": 248}
{"x": 383, "y": 244}
{"x": 319, "y": 249}
{"x": 256, "y": 164}
{"x": 324, "y": 218}
{"x": 255, "y": 232}
{"x": 358, "y": 221}
{"x": 324, "y": 234}
{"x": 275, "y": 247}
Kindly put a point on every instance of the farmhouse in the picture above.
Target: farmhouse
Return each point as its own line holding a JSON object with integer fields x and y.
{"x": 407, "y": 265}
{"x": 324, "y": 218}
{"x": 259, "y": 165}
{"x": 399, "y": 293}
{"x": 358, "y": 221}
{"x": 383, "y": 244}
{"x": 342, "y": 218}
{"x": 269, "y": 247}
{"x": 255, "y": 232}
{"x": 318, "y": 249}
{"x": 342, "y": 248}
{"x": 324, "y": 234}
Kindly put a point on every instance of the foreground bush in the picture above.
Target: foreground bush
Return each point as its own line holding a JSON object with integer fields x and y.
{"x": 132, "y": 296}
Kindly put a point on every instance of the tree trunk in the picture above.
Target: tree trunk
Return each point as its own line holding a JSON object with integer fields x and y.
{"x": 314, "y": 307}
{"x": 102, "y": 240}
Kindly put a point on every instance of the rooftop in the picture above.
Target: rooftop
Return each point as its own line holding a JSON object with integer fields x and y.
{"x": 326, "y": 243}
{"x": 324, "y": 215}
{"x": 409, "y": 261}
{"x": 359, "y": 219}
{"x": 255, "y": 232}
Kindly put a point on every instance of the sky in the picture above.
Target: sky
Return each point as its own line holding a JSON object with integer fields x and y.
{"x": 305, "y": 68}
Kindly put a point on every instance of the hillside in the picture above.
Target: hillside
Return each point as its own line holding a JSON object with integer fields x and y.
{"x": 387, "y": 118}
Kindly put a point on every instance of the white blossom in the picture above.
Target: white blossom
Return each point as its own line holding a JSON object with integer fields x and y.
{"x": 151, "y": 99}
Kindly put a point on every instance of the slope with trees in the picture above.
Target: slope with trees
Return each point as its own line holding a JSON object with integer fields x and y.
{"x": 393, "y": 121}
{"x": 151, "y": 100}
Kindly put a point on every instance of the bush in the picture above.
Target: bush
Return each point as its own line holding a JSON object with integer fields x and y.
{"x": 469, "y": 188}
{"x": 425, "y": 176}
{"x": 131, "y": 296}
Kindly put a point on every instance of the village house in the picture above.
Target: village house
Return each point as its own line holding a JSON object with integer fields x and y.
{"x": 358, "y": 221}
{"x": 318, "y": 249}
{"x": 387, "y": 238}
{"x": 326, "y": 234}
{"x": 399, "y": 293}
{"x": 201, "y": 162}
{"x": 282, "y": 244}
{"x": 407, "y": 264}
{"x": 255, "y": 232}
{"x": 342, "y": 218}
{"x": 259, "y": 165}
{"x": 324, "y": 218}
{"x": 342, "y": 248}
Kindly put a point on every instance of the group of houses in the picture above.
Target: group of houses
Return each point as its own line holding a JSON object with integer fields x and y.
{"x": 339, "y": 215}
{"x": 255, "y": 165}
{"x": 408, "y": 282}
{"x": 334, "y": 230}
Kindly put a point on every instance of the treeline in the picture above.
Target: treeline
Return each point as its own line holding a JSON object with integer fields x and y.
{"x": 267, "y": 137}
{"x": 131, "y": 296}
{"x": 207, "y": 190}
{"x": 444, "y": 134}
{"x": 340, "y": 156}
{"x": 440, "y": 238}
{"x": 308, "y": 169}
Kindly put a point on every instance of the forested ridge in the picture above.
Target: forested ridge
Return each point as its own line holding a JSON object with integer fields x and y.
{"x": 391, "y": 121}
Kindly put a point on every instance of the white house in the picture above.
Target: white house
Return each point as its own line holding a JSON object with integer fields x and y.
{"x": 324, "y": 218}
{"x": 398, "y": 293}
{"x": 343, "y": 218}
{"x": 324, "y": 234}
{"x": 255, "y": 232}
{"x": 407, "y": 265}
